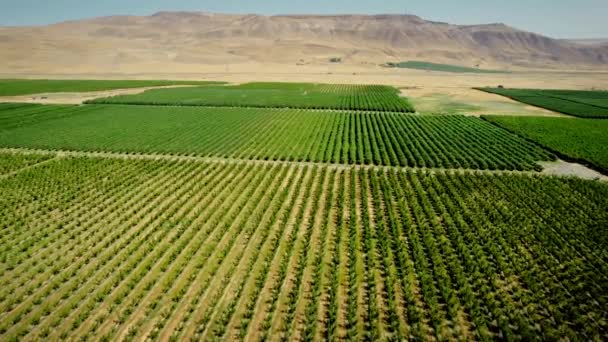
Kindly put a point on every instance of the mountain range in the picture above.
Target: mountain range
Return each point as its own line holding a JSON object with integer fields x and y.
{"x": 182, "y": 40}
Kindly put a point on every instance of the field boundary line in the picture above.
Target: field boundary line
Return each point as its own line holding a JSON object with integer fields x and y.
{"x": 528, "y": 104}
{"x": 25, "y": 168}
{"x": 577, "y": 102}
{"x": 222, "y": 160}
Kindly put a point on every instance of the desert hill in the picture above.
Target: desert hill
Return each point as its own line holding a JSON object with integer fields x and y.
{"x": 188, "y": 40}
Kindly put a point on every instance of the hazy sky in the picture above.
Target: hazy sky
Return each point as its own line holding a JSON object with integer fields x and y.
{"x": 556, "y": 18}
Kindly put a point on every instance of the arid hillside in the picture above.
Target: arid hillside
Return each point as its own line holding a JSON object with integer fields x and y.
{"x": 181, "y": 41}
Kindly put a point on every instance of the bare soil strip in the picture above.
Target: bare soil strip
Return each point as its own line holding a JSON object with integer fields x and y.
{"x": 564, "y": 168}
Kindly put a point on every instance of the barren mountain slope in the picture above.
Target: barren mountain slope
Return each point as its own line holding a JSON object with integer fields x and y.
{"x": 182, "y": 40}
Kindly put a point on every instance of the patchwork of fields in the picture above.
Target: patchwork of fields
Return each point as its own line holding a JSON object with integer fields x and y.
{"x": 585, "y": 104}
{"x": 279, "y": 134}
{"x": 291, "y": 95}
{"x": 177, "y": 221}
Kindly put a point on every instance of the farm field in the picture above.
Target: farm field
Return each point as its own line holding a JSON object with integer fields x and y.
{"x": 581, "y": 103}
{"x": 17, "y": 161}
{"x": 216, "y": 213}
{"x": 421, "y": 65}
{"x": 15, "y": 115}
{"x": 272, "y": 134}
{"x": 292, "y": 95}
{"x": 585, "y": 140}
{"x": 133, "y": 249}
{"x": 15, "y": 87}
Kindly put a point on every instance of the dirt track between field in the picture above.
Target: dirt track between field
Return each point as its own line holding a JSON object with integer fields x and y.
{"x": 558, "y": 168}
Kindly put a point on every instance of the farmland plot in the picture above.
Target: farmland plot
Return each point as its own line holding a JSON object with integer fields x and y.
{"x": 11, "y": 162}
{"x": 275, "y": 134}
{"x": 585, "y": 104}
{"x": 578, "y": 139}
{"x": 110, "y": 249}
{"x": 15, "y": 115}
{"x": 292, "y": 95}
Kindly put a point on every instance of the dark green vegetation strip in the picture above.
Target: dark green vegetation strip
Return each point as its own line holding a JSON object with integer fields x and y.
{"x": 20, "y": 115}
{"x": 107, "y": 249}
{"x": 582, "y": 140}
{"x": 292, "y": 95}
{"x": 278, "y": 134}
{"x": 15, "y": 87}
{"x": 581, "y": 103}
{"x": 420, "y": 65}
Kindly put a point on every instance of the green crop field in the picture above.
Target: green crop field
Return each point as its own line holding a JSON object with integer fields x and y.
{"x": 15, "y": 87}
{"x": 292, "y": 95}
{"x": 584, "y": 140}
{"x": 117, "y": 249}
{"x": 238, "y": 213}
{"x": 275, "y": 134}
{"x": 11, "y": 162}
{"x": 14, "y": 115}
{"x": 420, "y": 65}
{"x": 585, "y": 104}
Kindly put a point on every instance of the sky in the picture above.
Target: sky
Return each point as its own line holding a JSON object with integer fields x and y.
{"x": 555, "y": 18}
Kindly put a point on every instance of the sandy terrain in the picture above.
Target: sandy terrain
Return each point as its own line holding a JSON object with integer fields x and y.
{"x": 338, "y": 73}
{"x": 188, "y": 42}
{"x": 563, "y": 168}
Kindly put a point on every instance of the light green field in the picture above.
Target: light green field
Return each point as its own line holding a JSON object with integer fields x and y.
{"x": 111, "y": 249}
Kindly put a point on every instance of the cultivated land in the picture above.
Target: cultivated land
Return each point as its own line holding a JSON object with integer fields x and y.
{"x": 193, "y": 223}
{"x": 467, "y": 101}
{"x": 421, "y": 65}
{"x": 140, "y": 222}
{"x": 13, "y": 162}
{"x": 13, "y": 87}
{"x": 584, "y": 140}
{"x": 157, "y": 249}
{"x": 294, "y": 95}
{"x": 277, "y": 134}
{"x": 586, "y": 104}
